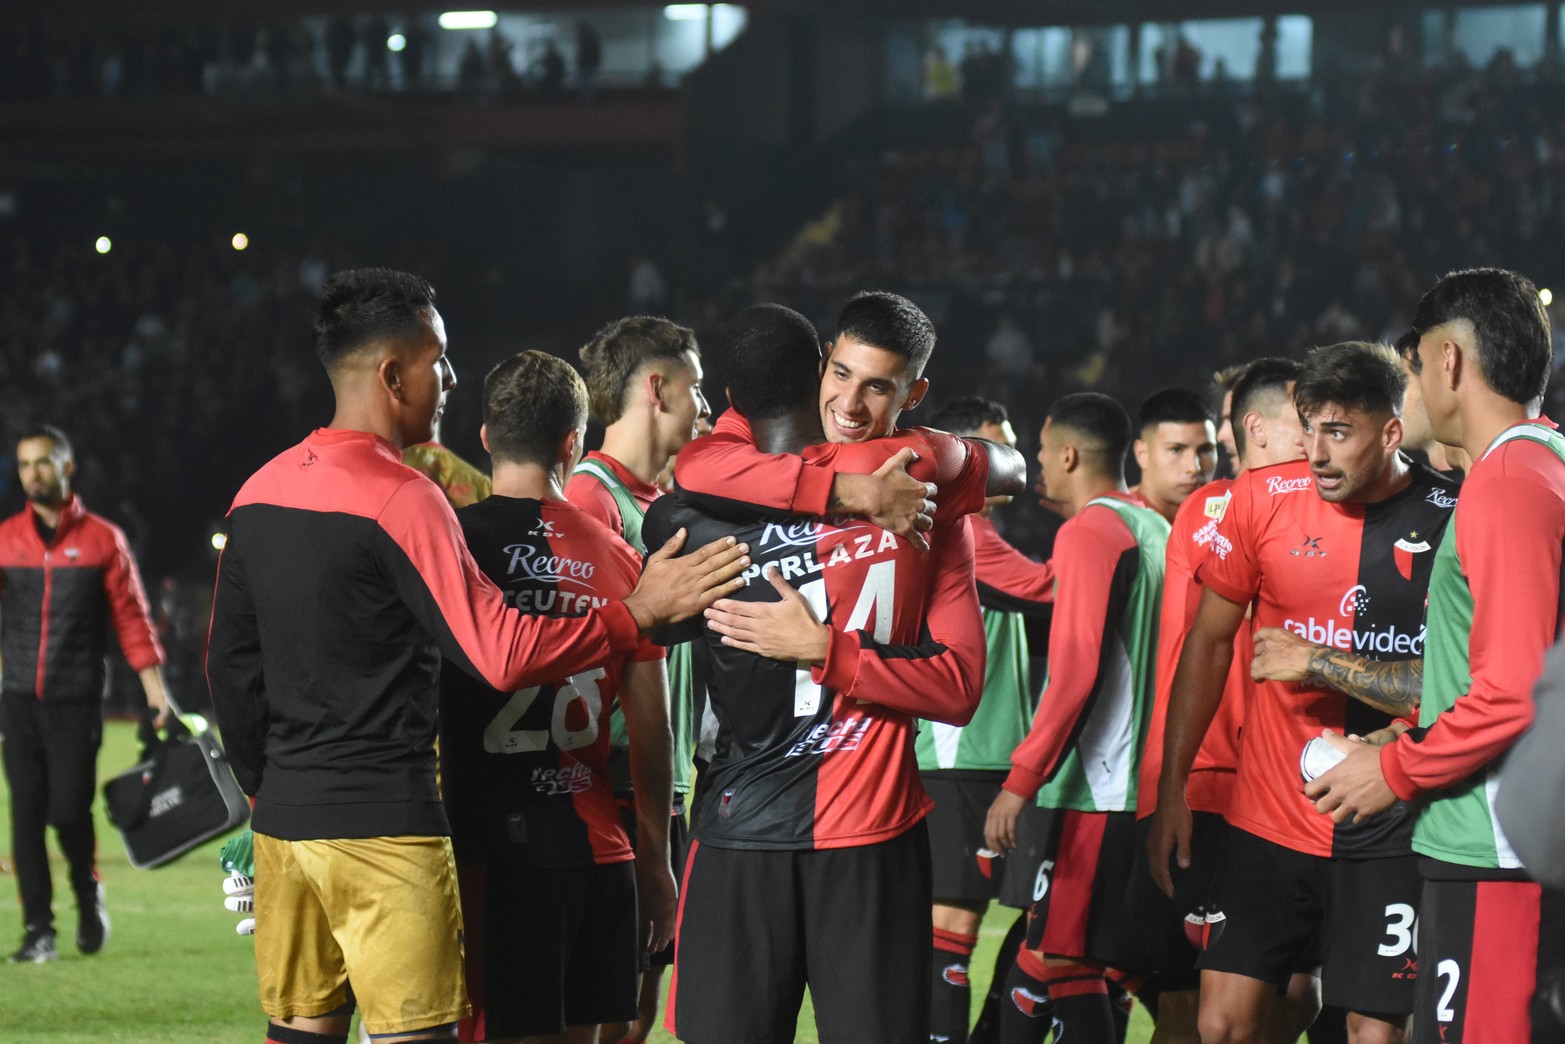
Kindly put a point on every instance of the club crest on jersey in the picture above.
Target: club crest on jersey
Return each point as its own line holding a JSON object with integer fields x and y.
{"x": 1217, "y": 507}
{"x": 1309, "y": 547}
{"x": 1404, "y": 550}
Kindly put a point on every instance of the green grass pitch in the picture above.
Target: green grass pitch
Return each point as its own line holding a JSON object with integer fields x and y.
{"x": 174, "y": 970}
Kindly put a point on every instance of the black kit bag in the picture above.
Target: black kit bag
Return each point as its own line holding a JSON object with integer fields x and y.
{"x": 180, "y": 794}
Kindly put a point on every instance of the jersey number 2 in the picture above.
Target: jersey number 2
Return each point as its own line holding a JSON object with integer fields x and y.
{"x": 501, "y": 738}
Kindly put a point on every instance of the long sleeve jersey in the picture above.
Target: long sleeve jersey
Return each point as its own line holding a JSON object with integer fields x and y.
{"x": 1494, "y": 611}
{"x": 344, "y": 580}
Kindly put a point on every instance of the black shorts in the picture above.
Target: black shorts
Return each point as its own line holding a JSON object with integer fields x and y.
{"x": 1170, "y": 933}
{"x": 956, "y": 833}
{"x": 1478, "y": 949}
{"x": 1024, "y": 876}
{"x": 755, "y": 927}
{"x": 678, "y": 846}
{"x": 1082, "y": 910}
{"x": 549, "y": 948}
{"x": 1281, "y": 911}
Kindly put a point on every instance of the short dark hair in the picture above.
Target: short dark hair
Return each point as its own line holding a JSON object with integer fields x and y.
{"x": 1173, "y": 406}
{"x": 965, "y": 414}
{"x": 364, "y": 305}
{"x": 1103, "y": 423}
{"x": 1514, "y": 341}
{"x": 1262, "y": 383}
{"x": 1355, "y": 375}
{"x": 531, "y": 401}
{"x": 618, "y": 350}
{"x": 891, "y": 322}
{"x": 771, "y": 357}
{"x": 62, "y": 443}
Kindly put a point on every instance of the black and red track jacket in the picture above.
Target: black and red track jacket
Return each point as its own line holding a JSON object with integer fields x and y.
{"x": 344, "y": 580}
{"x": 54, "y": 601}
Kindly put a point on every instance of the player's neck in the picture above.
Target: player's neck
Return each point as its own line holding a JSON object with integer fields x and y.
{"x": 529, "y": 481}
{"x": 1392, "y": 480}
{"x": 790, "y": 433}
{"x": 1486, "y": 418}
{"x": 1089, "y": 487}
{"x": 1157, "y": 503}
{"x": 632, "y": 443}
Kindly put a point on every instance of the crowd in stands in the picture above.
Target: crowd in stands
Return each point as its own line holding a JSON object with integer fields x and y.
{"x": 1049, "y": 265}
{"x": 47, "y": 60}
{"x": 1277, "y": 221}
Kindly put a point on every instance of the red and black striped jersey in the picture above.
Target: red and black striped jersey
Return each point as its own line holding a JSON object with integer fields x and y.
{"x": 344, "y": 581}
{"x": 1211, "y": 782}
{"x": 1350, "y": 576}
{"x": 823, "y": 757}
{"x": 525, "y": 774}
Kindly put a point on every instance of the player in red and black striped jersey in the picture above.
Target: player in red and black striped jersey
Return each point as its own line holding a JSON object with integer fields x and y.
{"x": 1336, "y": 547}
{"x": 534, "y": 821}
{"x": 810, "y": 858}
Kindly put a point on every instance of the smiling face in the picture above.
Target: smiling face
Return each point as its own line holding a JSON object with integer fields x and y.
{"x": 864, "y": 389}
{"x": 1348, "y": 450}
{"x": 684, "y": 407}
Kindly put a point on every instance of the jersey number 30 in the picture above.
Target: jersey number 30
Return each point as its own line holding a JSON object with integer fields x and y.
{"x": 501, "y": 738}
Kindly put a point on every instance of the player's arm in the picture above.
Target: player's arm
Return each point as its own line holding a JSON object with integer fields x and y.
{"x": 1007, "y": 579}
{"x": 1089, "y": 554}
{"x": 1392, "y": 686}
{"x": 727, "y": 474}
{"x": 643, "y": 699}
{"x": 421, "y": 548}
{"x": 939, "y": 677}
{"x": 1528, "y": 804}
{"x": 1512, "y": 631}
{"x": 233, "y": 669}
{"x": 132, "y": 619}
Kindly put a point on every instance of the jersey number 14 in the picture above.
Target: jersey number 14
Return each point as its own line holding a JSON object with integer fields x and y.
{"x": 877, "y": 595}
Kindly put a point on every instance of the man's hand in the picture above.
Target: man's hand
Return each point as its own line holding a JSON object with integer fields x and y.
{"x": 1169, "y": 836}
{"x": 657, "y": 900}
{"x": 1380, "y": 737}
{"x": 1000, "y": 823}
{"x": 1280, "y": 655}
{"x": 890, "y": 498}
{"x": 785, "y": 630}
{"x": 156, "y": 688}
{"x": 673, "y": 589}
{"x": 1356, "y": 787}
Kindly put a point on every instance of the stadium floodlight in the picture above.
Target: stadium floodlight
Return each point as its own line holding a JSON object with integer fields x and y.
{"x": 468, "y": 20}
{"x": 685, "y": 12}
{"x": 1545, "y": 297}
{"x": 396, "y": 42}
{"x": 219, "y": 541}
{"x": 240, "y": 241}
{"x": 103, "y": 245}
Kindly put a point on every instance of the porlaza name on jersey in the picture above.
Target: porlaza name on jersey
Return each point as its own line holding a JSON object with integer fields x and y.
{"x": 858, "y": 541}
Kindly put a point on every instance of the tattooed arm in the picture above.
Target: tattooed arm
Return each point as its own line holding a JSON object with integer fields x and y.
{"x": 1393, "y": 686}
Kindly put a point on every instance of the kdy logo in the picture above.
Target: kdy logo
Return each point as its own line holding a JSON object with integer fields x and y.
{"x": 1309, "y": 547}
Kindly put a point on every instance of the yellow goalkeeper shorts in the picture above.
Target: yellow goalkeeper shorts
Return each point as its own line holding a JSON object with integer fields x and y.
{"x": 382, "y": 912}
